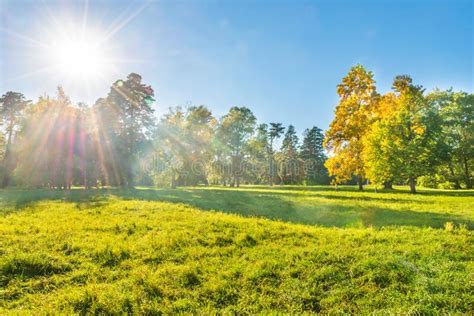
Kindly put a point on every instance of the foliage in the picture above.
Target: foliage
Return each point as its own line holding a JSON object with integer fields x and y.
{"x": 234, "y": 130}
{"x": 274, "y": 133}
{"x": 126, "y": 115}
{"x": 403, "y": 145}
{"x": 385, "y": 139}
{"x": 47, "y": 143}
{"x": 290, "y": 167}
{"x": 457, "y": 112}
{"x": 352, "y": 119}
{"x": 258, "y": 150}
{"x": 183, "y": 142}
{"x": 12, "y": 108}
{"x": 313, "y": 156}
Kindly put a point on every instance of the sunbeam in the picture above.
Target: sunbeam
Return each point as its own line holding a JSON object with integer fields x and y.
{"x": 74, "y": 48}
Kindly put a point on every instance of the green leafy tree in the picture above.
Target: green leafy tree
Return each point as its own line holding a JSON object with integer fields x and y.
{"x": 200, "y": 126}
{"x": 257, "y": 149}
{"x": 457, "y": 113}
{"x": 170, "y": 145}
{"x": 235, "y": 129}
{"x": 404, "y": 145}
{"x": 46, "y": 149}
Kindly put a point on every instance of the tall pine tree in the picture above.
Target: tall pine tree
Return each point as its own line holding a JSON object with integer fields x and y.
{"x": 313, "y": 156}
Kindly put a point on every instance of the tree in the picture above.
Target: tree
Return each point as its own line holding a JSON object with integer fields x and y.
{"x": 404, "y": 145}
{"x": 289, "y": 164}
{"x": 373, "y": 138}
{"x": 275, "y": 131}
{"x": 352, "y": 119}
{"x": 313, "y": 156}
{"x": 199, "y": 134}
{"x": 170, "y": 145}
{"x": 12, "y": 107}
{"x": 47, "y": 143}
{"x": 457, "y": 113}
{"x": 127, "y": 109}
{"x": 258, "y": 149}
{"x": 234, "y": 131}
{"x": 87, "y": 148}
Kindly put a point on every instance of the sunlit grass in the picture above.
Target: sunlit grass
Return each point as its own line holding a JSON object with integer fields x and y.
{"x": 119, "y": 251}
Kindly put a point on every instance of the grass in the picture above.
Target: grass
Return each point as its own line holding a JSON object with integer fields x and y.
{"x": 151, "y": 251}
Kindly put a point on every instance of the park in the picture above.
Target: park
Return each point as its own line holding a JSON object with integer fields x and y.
{"x": 236, "y": 157}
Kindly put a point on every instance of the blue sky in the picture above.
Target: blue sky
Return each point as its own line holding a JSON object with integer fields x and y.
{"x": 283, "y": 59}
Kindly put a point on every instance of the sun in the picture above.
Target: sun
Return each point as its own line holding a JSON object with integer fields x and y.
{"x": 79, "y": 58}
{"x": 79, "y": 55}
{"x": 76, "y": 49}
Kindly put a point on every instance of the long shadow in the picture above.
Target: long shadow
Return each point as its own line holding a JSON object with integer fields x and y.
{"x": 277, "y": 207}
{"x": 334, "y": 196}
{"x": 347, "y": 188}
{"x": 14, "y": 199}
{"x": 245, "y": 203}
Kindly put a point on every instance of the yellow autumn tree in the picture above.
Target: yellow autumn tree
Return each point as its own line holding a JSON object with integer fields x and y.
{"x": 353, "y": 117}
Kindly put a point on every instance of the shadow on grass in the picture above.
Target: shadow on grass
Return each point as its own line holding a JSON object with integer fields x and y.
{"x": 356, "y": 195}
{"x": 349, "y": 188}
{"x": 252, "y": 203}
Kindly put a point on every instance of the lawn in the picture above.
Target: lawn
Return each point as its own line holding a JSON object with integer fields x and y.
{"x": 252, "y": 249}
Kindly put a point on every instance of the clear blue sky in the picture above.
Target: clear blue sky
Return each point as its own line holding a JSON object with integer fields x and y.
{"x": 283, "y": 59}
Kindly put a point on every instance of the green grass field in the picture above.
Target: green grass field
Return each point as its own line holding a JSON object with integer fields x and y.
{"x": 252, "y": 249}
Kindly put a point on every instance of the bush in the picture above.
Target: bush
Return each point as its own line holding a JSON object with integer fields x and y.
{"x": 436, "y": 181}
{"x": 427, "y": 182}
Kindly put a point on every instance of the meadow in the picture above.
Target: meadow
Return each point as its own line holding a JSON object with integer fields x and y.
{"x": 250, "y": 249}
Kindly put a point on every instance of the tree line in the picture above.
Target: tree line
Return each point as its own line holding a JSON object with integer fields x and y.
{"x": 118, "y": 141}
{"x": 402, "y": 137}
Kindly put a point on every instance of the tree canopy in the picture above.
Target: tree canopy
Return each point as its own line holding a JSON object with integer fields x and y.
{"x": 405, "y": 136}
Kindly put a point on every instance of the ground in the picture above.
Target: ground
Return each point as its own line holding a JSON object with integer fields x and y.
{"x": 253, "y": 249}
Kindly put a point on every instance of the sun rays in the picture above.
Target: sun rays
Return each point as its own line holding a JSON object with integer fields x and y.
{"x": 73, "y": 47}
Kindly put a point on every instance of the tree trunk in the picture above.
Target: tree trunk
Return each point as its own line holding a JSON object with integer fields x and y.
{"x": 173, "y": 181}
{"x": 412, "y": 184}
{"x": 387, "y": 185}
{"x": 7, "y": 159}
{"x": 270, "y": 172}
{"x": 467, "y": 175}
{"x": 360, "y": 183}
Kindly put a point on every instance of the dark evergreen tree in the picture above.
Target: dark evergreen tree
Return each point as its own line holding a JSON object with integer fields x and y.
{"x": 313, "y": 156}
{"x": 12, "y": 107}
{"x": 289, "y": 166}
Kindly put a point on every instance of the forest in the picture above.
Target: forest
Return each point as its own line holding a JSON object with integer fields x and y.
{"x": 406, "y": 136}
